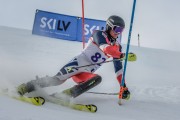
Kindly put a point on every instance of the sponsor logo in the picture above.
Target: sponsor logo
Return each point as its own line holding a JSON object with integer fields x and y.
{"x": 54, "y": 24}
{"x": 89, "y": 29}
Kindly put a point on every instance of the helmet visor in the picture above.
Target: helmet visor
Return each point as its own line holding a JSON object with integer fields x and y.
{"x": 117, "y": 29}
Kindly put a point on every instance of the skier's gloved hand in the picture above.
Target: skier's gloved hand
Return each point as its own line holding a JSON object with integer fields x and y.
{"x": 132, "y": 57}
{"x": 124, "y": 93}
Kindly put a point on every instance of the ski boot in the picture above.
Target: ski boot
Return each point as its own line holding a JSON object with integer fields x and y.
{"x": 30, "y": 86}
{"x": 25, "y": 88}
{"x": 68, "y": 92}
{"x": 82, "y": 87}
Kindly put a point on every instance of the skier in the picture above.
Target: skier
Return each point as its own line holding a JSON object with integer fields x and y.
{"x": 101, "y": 46}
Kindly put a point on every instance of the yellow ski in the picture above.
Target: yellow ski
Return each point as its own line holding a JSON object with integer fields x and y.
{"x": 38, "y": 101}
{"x": 81, "y": 107}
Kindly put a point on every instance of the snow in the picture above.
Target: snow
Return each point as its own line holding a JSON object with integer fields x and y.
{"x": 153, "y": 80}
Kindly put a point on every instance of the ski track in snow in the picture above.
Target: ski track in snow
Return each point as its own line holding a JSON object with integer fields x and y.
{"x": 160, "y": 94}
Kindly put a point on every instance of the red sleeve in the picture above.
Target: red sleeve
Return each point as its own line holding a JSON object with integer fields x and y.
{"x": 112, "y": 51}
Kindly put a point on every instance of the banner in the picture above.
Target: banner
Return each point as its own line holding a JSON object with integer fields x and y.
{"x": 55, "y": 25}
{"x": 64, "y": 26}
{"x": 89, "y": 26}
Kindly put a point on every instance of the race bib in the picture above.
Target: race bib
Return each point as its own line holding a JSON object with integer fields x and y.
{"x": 94, "y": 53}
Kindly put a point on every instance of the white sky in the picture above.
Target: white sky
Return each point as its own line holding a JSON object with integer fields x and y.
{"x": 157, "y": 21}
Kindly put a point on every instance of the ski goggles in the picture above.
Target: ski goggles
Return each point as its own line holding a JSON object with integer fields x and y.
{"x": 117, "y": 29}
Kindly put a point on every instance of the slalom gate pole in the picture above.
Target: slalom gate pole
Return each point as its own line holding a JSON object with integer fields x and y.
{"x": 83, "y": 34}
{"x": 127, "y": 50}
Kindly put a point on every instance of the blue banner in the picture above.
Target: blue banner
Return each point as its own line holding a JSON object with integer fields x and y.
{"x": 55, "y": 25}
{"x": 64, "y": 26}
{"x": 89, "y": 27}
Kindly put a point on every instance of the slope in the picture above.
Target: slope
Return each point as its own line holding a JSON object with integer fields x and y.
{"x": 153, "y": 80}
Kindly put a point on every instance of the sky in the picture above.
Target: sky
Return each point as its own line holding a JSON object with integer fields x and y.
{"x": 153, "y": 81}
{"x": 156, "y": 21}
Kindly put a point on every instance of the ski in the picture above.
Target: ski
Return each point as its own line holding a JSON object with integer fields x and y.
{"x": 81, "y": 107}
{"x": 38, "y": 101}
{"x": 66, "y": 103}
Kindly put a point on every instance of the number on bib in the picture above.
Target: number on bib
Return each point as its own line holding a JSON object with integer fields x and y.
{"x": 96, "y": 57}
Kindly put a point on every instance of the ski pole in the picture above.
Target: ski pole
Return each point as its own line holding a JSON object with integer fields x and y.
{"x": 127, "y": 50}
{"x": 131, "y": 57}
{"x": 70, "y": 68}
{"x": 103, "y": 93}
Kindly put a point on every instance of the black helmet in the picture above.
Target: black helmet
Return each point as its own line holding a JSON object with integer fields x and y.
{"x": 114, "y": 21}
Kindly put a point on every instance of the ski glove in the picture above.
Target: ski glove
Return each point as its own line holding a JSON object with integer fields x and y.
{"x": 124, "y": 93}
{"x": 131, "y": 57}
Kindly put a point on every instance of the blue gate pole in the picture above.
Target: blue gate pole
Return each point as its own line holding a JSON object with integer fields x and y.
{"x": 128, "y": 43}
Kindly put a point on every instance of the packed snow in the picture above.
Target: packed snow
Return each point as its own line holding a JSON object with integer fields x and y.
{"x": 153, "y": 81}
